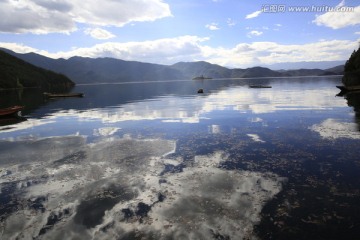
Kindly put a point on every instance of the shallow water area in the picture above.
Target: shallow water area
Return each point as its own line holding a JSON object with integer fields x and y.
{"x": 159, "y": 161}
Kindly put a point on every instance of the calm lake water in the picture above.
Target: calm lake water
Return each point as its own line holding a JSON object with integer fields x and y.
{"x": 159, "y": 161}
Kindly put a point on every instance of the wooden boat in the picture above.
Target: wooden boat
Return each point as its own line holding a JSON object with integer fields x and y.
{"x": 10, "y": 111}
{"x": 259, "y": 86}
{"x": 349, "y": 89}
{"x": 62, "y": 95}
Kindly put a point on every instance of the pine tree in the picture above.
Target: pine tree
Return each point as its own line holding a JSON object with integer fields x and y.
{"x": 352, "y": 69}
{"x": 350, "y": 64}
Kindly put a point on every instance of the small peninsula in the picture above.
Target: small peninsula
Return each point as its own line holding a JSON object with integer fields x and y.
{"x": 16, "y": 73}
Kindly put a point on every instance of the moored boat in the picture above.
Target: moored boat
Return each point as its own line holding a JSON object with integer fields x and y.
{"x": 10, "y": 111}
{"x": 349, "y": 89}
{"x": 62, "y": 95}
{"x": 259, "y": 86}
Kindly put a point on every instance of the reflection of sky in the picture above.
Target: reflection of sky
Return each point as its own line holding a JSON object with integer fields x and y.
{"x": 93, "y": 161}
{"x": 333, "y": 129}
{"x": 175, "y": 109}
{"x": 120, "y": 174}
{"x": 255, "y": 138}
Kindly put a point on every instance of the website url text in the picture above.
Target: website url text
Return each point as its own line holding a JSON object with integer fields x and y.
{"x": 282, "y": 8}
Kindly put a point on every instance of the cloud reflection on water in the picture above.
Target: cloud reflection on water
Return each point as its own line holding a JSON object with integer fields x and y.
{"x": 110, "y": 187}
{"x": 333, "y": 129}
{"x": 117, "y": 188}
{"x": 194, "y": 109}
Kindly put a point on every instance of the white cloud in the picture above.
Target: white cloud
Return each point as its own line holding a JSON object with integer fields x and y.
{"x": 358, "y": 33}
{"x": 19, "y": 47}
{"x": 118, "y": 13}
{"x": 35, "y": 16}
{"x": 230, "y": 22}
{"x": 193, "y": 48}
{"x": 343, "y": 17}
{"x": 254, "y": 33}
{"x": 99, "y": 33}
{"x": 166, "y": 50}
{"x": 212, "y": 26}
{"x": 41, "y": 16}
{"x": 278, "y": 25}
{"x": 257, "y": 53}
{"x": 253, "y": 15}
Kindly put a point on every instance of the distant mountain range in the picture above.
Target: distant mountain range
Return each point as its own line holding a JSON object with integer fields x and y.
{"x": 304, "y": 65}
{"x": 17, "y": 73}
{"x": 110, "y": 70}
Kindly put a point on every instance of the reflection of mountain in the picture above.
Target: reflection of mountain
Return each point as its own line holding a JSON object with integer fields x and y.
{"x": 110, "y": 70}
{"x": 353, "y": 100}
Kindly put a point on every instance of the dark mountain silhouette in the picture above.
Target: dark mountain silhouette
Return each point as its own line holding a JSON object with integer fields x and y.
{"x": 84, "y": 70}
{"x": 338, "y": 70}
{"x": 108, "y": 70}
{"x": 256, "y": 72}
{"x": 17, "y": 73}
{"x": 90, "y": 70}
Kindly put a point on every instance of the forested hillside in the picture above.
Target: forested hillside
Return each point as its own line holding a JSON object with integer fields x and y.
{"x": 352, "y": 69}
{"x": 16, "y": 73}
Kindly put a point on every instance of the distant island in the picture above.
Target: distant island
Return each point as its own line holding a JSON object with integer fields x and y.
{"x": 351, "y": 76}
{"x": 16, "y": 73}
{"x": 201, "y": 78}
{"x": 111, "y": 70}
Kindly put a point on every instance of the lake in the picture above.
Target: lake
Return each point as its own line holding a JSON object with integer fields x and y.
{"x": 156, "y": 160}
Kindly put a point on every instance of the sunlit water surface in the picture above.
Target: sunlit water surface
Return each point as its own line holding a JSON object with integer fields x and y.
{"x": 159, "y": 161}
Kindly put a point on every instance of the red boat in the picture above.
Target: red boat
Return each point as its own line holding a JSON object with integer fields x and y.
{"x": 10, "y": 111}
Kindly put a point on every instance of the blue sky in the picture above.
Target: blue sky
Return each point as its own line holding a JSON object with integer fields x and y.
{"x": 231, "y": 33}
